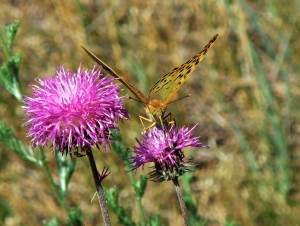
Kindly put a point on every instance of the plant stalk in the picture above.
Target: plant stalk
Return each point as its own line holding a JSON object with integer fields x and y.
{"x": 142, "y": 212}
{"x": 99, "y": 188}
{"x": 59, "y": 198}
{"x": 181, "y": 201}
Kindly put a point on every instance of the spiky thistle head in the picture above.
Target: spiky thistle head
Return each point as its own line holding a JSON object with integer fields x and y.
{"x": 164, "y": 148}
{"x": 73, "y": 110}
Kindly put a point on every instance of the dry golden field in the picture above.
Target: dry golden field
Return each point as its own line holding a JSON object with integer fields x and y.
{"x": 244, "y": 95}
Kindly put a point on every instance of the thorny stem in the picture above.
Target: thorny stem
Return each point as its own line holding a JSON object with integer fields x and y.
{"x": 181, "y": 201}
{"x": 99, "y": 188}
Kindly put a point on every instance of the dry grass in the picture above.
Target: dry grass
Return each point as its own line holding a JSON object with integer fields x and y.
{"x": 230, "y": 99}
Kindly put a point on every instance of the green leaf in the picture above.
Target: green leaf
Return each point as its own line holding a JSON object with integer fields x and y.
{"x": 9, "y": 69}
{"x": 8, "y": 37}
{"x": 154, "y": 220}
{"x": 9, "y": 76}
{"x": 140, "y": 186}
{"x": 194, "y": 217}
{"x": 75, "y": 217}
{"x": 53, "y": 222}
{"x": 65, "y": 169}
{"x": 276, "y": 134}
{"x": 5, "y": 210}
{"x": 230, "y": 223}
{"x": 13, "y": 144}
{"x": 124, "y": 218}
{"x": 119, "y": 148}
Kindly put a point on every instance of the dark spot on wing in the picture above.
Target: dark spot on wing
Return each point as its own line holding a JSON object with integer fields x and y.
{"x": 189, "y": 67}
{"x": 189, "y": 61}
{"x": 179, "y": 76}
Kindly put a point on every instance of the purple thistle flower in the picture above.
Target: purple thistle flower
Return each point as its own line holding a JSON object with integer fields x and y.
{"x": 164, "y": 147}
{"x": 73, "y": 110}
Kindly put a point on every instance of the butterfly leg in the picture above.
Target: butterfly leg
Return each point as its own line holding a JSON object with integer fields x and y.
{"x": 168, "y": 119}
{"x": 142, "y": 119}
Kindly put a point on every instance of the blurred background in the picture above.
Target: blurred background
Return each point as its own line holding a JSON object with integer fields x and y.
{"x": 245, "y": 97}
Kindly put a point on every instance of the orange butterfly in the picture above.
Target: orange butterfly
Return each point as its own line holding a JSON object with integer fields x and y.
{"x": 165, "y": 89}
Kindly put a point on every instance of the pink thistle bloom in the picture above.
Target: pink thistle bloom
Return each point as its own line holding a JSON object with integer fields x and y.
{"x": 73, "y": 110}
{"x": 164, "y": 148}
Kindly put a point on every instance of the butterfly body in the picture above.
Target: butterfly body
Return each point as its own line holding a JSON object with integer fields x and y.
{"x": 164, "y": 91}
{"x": 156, "y": 106}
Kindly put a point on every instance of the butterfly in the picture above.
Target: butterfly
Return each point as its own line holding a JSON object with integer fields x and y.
{"x": 164, "y": 91}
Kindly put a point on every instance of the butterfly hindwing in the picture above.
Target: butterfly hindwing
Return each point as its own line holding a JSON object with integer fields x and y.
{"x": 168, "y": 86}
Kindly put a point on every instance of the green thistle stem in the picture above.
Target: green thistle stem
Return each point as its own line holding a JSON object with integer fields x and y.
{"x": 54, "y": 187}
{"x": 99, "y": 188}
{"x": 142, "y": 212}
{"x": 181, "y": 201}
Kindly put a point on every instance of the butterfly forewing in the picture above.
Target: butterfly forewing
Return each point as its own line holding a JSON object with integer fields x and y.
{"x": 131, "y": 87}
{"x": 167, "y": 87}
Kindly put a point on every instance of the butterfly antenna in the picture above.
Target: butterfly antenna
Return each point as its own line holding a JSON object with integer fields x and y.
{"x": 137, "y": 100}
{"x": 180, "y": 98}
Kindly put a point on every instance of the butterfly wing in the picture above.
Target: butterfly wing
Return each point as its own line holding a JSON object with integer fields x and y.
{"x": 131, "y": 87}
{"x": 168, "y": 86}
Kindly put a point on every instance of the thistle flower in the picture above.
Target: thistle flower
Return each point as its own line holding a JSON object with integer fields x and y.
{"x": 164, "y": 148}
{"x": 73, "y": 110}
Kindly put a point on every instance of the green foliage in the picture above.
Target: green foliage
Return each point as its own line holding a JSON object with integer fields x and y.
{"x": 124, "y": 217}
{"x": 246, "y": 149}
{"x": 154, "y": 220}
{"x": 230, "y": 223}
{"x": 194, "y": 218}
{"x": 140, "y": 186}
{"x": 125, "y": 155}
{"x": 5, "y": 210}
{"x": 272, "y": 129}
{"x": 65, "y": 167}
{"x": 75, "y": 217}
{"x": 254, "y": 45}
{"x": 13, "y": 144}
{"x": 9, "y": 68}
{"x": 53, "y": 222}
{"x": 119, "y": 148}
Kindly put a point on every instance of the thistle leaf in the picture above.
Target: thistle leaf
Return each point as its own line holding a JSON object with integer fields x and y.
{"x": 9, "y": 68}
